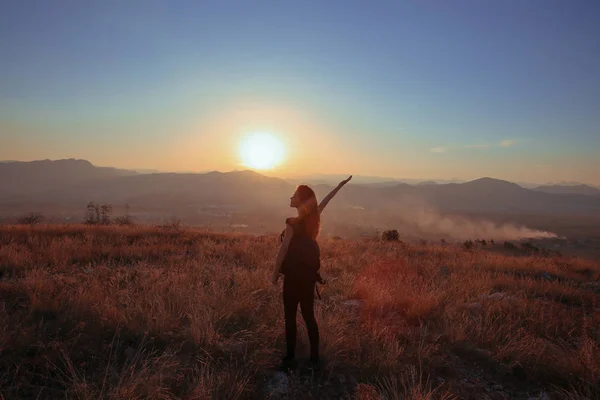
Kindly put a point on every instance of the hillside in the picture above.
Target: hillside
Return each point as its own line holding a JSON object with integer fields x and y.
{"x": 63, "y": 188}
{"x": 34, "y": 178}
{"x": 77, "y": 182}
{"x": 148, "y": 313}
{"x": 569, "y": 189}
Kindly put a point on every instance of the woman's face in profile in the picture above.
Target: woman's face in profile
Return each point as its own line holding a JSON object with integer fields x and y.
{"x": 295, "y": 200}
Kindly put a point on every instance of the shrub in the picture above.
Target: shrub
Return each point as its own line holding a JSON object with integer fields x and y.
{"x": 174, "y": 224}
{"x": 31, "y": 219}
{"x": 126, "y": 219}
{"x": 530, "y": 247}
{"x": 391, "y": 235}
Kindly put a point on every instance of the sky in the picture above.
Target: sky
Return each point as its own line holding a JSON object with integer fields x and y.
{"x": 409, "y": 89}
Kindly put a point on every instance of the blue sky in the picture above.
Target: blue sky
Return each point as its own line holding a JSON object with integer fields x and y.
{"x": 425, "y": 89}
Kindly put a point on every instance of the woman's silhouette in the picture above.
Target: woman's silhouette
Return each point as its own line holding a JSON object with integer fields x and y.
{"x": 299, "y": 261}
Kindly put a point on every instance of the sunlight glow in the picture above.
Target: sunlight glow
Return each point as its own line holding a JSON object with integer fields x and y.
{"x": 261, "y": 150}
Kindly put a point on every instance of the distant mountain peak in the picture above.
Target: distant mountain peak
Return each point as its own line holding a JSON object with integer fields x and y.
{"x": 491, "y": 181}
{"x": 43, "y": 175}
{"x": 65, "y": 161}
{"x": 426, "y": 183}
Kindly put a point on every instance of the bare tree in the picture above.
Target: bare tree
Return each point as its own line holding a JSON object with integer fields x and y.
{"x": 105, "y": 212}
{"x": 97, "y": 214}
{"x": 91, "y": 214}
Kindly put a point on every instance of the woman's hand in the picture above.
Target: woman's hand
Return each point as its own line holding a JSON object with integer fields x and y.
{"x": 342, "y": 183}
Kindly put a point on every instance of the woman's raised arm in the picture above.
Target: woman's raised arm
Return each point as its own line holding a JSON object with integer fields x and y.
{"x": 328, "y": 198}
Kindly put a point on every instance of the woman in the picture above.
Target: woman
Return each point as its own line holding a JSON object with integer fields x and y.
{"x": 299, "y": 260}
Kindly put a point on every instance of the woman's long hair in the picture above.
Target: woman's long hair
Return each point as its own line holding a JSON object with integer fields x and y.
{"x": 308, "y": 211}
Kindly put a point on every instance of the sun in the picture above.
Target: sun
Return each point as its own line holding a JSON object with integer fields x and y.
{"x": 261, "y": 150}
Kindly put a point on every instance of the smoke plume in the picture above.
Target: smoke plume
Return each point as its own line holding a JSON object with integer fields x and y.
{"x": 430, "y": 222}
{"x": 418, "y": 220}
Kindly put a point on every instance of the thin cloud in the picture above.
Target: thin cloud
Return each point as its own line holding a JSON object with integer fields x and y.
{"x": 506, "y": 143}
{"x": 439, "y": 149}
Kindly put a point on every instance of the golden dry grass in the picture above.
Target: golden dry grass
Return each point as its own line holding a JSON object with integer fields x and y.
{"x": 135, "y": 312}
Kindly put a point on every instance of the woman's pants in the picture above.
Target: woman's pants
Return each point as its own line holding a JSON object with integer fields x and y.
{"x": 303, "y": 293}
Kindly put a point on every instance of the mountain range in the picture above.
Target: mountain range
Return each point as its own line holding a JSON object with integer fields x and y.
{"x": 73, "y": 183}
{"x": 569, "y": 189}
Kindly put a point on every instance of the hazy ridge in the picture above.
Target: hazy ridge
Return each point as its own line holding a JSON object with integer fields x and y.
{"x": 247, "y": 198}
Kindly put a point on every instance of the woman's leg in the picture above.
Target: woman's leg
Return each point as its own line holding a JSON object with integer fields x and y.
{"x": 307, "y": 302}
{"x": 290, "y": 307}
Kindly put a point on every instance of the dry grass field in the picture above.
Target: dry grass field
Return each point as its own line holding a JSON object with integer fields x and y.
{"x": 148, "y": 313}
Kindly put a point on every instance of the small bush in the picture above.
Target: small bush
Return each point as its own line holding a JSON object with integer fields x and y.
{"x": 31, "y": 219}
{"x": 530, "y": 247}
{"x": 510, "y": 245}
{"x": 468, "y": 244}
{"x": 391, "y": 235}
{"x": 174, "y": 224}
{"x": 124, "y": 220}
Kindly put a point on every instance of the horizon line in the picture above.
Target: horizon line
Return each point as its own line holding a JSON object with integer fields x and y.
{"x": 266, "y": 173}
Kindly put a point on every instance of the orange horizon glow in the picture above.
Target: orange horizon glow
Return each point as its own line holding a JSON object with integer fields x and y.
{"x": 313, "y": 143}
